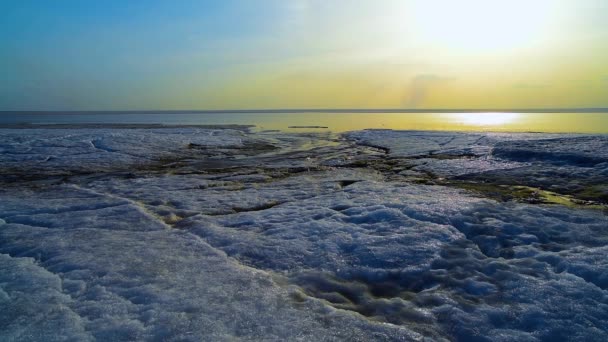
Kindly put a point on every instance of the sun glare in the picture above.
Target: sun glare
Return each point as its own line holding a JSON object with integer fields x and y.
{"x": 485, "y": 119}
{"x": 476, "y": 26}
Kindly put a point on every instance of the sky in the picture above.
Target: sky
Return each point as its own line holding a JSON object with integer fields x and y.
{"x": 265, "y": 54}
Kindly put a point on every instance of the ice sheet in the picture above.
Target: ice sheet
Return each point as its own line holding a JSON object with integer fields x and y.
{"x": 218, "y": 234}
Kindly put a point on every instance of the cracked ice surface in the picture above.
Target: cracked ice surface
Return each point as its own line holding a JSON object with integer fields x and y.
{"x": 94, "y": 150}
{"x": 113, "y": 272}
{"x": 565, "y": 163}
{"x": 433, "y": 259}
{"x": 295, "y": 237}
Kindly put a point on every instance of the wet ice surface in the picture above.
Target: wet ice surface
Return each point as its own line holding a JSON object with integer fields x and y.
{"x": 221, "y": 234}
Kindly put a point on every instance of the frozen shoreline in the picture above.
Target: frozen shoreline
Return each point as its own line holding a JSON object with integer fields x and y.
{"x": 190, "y": 233}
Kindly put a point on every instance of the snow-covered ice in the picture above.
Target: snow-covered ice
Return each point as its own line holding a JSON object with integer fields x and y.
{"x": 192, "y": 234}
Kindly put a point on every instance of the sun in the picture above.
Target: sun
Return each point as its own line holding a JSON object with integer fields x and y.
{"x": 476, "y": 26}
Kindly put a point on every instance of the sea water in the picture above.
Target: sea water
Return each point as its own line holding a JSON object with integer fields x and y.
{"x": 596, "y": 122}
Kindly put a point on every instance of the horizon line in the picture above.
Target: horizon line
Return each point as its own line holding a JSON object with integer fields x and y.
{"x": 316, "y": 110}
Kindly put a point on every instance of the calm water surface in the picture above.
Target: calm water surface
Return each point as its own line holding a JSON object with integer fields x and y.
{"x": 340, "y": 122}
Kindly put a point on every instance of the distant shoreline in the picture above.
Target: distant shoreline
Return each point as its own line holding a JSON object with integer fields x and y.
{"x": 314, "y": 110}
{"x": 120, "y": 126}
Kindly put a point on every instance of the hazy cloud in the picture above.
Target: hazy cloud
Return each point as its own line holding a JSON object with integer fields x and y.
{"x": 419, "y": 88}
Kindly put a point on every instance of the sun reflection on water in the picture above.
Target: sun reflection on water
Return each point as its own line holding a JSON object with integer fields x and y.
{"x": 485, "y": 119}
